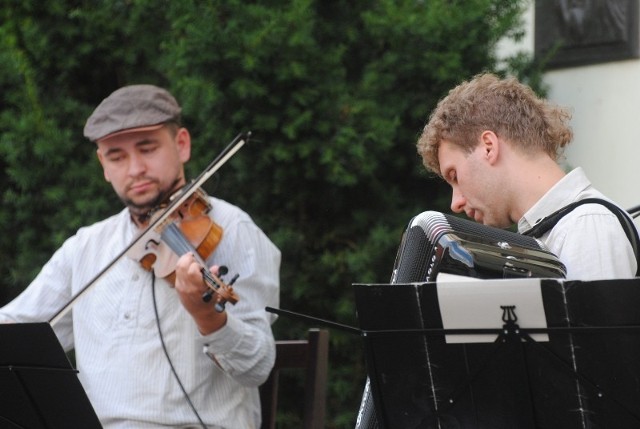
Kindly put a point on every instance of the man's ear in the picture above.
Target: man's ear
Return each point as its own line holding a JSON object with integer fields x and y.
{"x": 183, "y": 139}
{"x": 490, "y": 146}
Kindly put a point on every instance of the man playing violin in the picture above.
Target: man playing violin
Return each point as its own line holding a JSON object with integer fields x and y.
{"x": 151, "y": 352}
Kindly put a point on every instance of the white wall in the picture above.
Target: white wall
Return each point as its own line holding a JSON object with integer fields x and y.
{"x": 605, "y": 101}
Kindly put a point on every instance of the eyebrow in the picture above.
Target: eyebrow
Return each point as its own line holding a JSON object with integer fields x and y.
{"x": 138, "y": 144}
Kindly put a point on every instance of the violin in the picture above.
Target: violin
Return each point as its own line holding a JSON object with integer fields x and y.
{"x": 164, "y": 226}
{"x": 187, "y": 229}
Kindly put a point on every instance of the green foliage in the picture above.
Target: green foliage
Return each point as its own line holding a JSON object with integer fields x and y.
{"x": 335, "y": 93}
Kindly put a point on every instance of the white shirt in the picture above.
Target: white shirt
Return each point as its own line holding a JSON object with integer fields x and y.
{"x": 113, "y": 328}
{"x": 589, "y": 240}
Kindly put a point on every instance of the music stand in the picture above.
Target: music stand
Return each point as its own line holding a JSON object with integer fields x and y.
{"x": 584, "y": 376}
{"x": 40, "y": 388}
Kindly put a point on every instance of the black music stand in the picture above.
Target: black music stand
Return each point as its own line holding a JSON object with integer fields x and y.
{"x": 39, "y": 389}
{"x": 587, "y": 375}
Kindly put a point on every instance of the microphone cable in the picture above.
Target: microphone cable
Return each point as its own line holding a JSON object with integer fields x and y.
{"x": 166, "y": 353}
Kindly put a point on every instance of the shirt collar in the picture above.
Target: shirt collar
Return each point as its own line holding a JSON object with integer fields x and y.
{"x": 567, "y": 190}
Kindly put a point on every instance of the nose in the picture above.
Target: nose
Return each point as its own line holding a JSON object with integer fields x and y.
{"x": 137, "y": 165}
{"x": 457, "y": 201}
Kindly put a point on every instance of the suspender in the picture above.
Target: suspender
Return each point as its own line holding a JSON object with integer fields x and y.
{"x": 625, "y": 220}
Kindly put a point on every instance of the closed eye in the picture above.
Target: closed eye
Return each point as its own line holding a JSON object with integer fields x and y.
{"x": 147, "y": 146}
{"x": 114, "y": 155}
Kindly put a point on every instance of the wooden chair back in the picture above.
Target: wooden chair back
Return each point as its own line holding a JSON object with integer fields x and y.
{"x": 312, "y": 355}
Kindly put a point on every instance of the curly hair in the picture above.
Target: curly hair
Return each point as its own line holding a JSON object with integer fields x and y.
{"x": 505, "y": 106}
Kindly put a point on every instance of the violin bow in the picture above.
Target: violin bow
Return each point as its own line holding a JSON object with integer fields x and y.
{"x": 231, "y": 149}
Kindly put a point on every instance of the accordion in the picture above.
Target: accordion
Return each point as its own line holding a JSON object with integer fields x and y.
{"x": 435, "y": 243}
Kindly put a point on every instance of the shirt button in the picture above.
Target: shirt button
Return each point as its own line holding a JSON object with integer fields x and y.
{"x": 135, "y": 277}
{"x": 127, "y": 316}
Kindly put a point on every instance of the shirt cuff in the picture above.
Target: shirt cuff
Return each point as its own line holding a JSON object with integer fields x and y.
{"x": 219, "y": 345}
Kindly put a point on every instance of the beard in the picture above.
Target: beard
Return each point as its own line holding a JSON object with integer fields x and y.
{"x": 143, "y": 211}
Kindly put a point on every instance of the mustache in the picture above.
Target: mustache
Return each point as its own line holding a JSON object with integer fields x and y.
{"x": 162, "y": 197}
{"x": 141, "y": 179}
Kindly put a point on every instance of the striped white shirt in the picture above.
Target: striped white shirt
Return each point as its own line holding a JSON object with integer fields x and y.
{"x": 113, "y": 329}
{"x": 589, "y": 240}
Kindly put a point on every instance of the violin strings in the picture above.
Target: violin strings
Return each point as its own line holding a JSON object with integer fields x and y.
{"x": 180, "y": 245}
{"x": 176, "y": 240}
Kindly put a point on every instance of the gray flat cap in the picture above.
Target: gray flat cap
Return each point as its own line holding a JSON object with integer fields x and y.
{"x": 132, "y": 108}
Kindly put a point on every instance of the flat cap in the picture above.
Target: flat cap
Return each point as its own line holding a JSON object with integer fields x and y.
{"x": 132, "y": 108}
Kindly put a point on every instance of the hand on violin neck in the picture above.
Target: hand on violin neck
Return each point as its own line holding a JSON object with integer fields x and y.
{"x": 190, "y": 286}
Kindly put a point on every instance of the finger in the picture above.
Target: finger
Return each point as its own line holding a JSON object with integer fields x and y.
{"x": 185, "y": 261}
